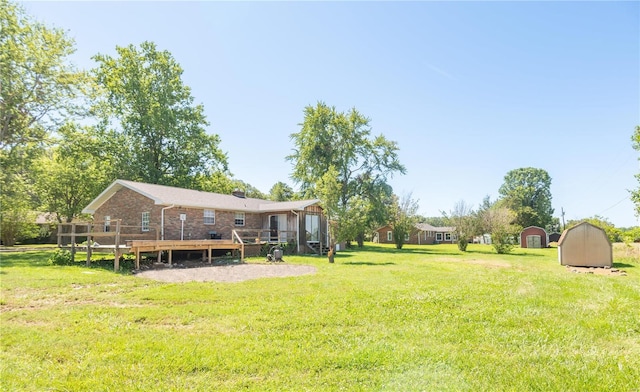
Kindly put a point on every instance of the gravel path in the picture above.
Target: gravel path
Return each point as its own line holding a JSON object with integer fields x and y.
{"x": 227, "y": 273}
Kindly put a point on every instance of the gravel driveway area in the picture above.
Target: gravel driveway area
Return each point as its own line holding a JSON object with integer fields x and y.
{"x": 227, "y": 273}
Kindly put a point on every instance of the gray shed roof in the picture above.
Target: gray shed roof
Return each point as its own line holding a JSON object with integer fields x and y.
{"x": 168, "y": 195}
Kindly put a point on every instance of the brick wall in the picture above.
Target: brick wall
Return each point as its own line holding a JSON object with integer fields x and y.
{"x": 195, "y": 228}
{"x": 128, "y": 206}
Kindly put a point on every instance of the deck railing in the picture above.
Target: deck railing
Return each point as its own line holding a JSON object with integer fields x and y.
{"x": 262, "y": 236}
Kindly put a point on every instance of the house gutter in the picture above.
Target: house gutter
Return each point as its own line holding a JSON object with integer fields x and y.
{"x": 162, "y": 219}
{"x": 298, "y": 231}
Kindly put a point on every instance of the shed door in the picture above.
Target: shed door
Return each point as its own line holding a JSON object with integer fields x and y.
{"x": 533, "y": 241}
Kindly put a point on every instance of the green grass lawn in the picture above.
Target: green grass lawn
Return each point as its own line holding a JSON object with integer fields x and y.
{"x": 426, "y": 318}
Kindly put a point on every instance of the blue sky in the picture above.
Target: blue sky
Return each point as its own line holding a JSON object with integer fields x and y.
{"x": 469, "y": 90}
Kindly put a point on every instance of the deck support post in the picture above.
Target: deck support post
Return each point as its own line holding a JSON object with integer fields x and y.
{"x": 89, "y": 248}
{"x": 116, "y": 262}
{"x": 73, "y": 242}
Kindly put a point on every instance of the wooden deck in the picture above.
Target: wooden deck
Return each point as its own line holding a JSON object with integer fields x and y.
{"x": 152, "y": 246}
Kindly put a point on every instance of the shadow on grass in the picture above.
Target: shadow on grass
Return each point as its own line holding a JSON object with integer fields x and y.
{"x": 366, "y": 263}
{"x": 623, "y": 265}
{"x": 25, "y": 259}
{"x": 391, "y": 250}
{"x": 506, "y": 254}
{"x": 41, "y": 259}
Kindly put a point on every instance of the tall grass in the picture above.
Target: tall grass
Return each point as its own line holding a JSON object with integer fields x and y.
{"x": 423, "y": 318}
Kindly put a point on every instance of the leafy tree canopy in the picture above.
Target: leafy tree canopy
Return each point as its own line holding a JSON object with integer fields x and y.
{"x": 73, "y": 172}
{"x": 164, "y": 132}
{"x": 220, "y": 182}
{"x": 336, "y": 159}
{"x": 527, "y": 192}
{"x": 39, "y": 87}
{"x": 281, "y": 191}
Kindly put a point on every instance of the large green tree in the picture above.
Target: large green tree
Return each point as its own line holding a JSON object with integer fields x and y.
{"x": 281, "y": 191}
{"x": 527, "y": 192}
{"x": 221, "y": 182}
{"x": 336, "y": 157}
{"x": 145, "y": 101}
{"x": 73, "y": 172}
{"x": 635, "y": 195}
{"x": 39, "y": 88}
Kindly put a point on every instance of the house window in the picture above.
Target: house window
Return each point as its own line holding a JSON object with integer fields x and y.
{"x": 107, "y": 223}
{"x": 428, "y": 234}
{"x": 239, "y": 219}
{"x": 454, "y": 237}
{"x": 389, "y": 236}
{"x": 406, "y": 237}
{"x": 145, "y": 221}
{"x": 447, "y": 236}
{"x": 438, "y": 236}
{"x": 209, "y": 217}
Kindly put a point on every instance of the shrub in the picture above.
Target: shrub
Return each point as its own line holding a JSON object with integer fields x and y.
{"x": 502, "y": 241}
{"x": 61, "y": 257}
{"x": 462, "y": 244}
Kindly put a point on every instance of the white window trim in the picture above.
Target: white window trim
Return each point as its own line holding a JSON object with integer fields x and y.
{"x": 236, "y": 219}
{"x": 107, "y": 223}
{"x": 389, "y": 236}
{"x": 205, "y": 216}
{"x": 145, "y": 224}
{"x": 438, "y": 236}
{"x": 447, "y": 236}
{"x": 407, "y": 236}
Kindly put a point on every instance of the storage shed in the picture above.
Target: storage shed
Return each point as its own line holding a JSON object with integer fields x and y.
{"x": 585, "y": 245}
{"x": 534, "y": 237}
{"x": 554, "y": 237}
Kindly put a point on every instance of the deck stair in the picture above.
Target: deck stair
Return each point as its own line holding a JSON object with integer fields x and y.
{"x": 318, "y": 248}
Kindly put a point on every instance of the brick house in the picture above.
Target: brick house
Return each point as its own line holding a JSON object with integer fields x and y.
{"x": 161, "y": 212}
{"x": 423, "y": 234}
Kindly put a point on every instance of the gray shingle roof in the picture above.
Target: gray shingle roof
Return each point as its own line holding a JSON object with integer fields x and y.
{"x": 168, "y": 195}
{"x": 428, "y": 227}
